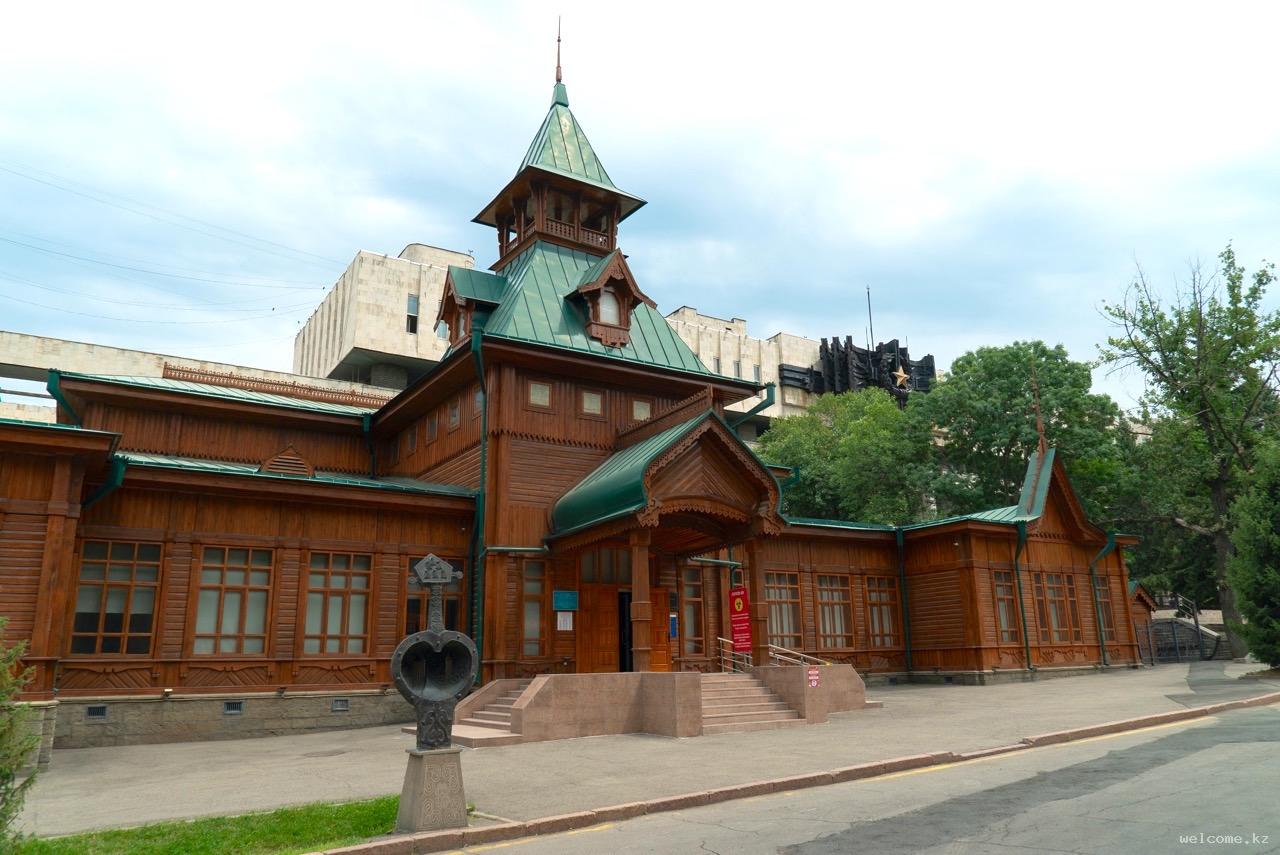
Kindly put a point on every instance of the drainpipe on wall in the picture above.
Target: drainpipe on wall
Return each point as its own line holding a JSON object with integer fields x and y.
{"x": 763, "y": 405}
{"x": 115, "y": 477}
{"x": 54, "y": 385}
{"x": 1093, "y": 582}
{"x": 1022, "y": 606}
{"x": 478, "y": 549}
{"x": 902, "y": 586}
{"x": 366, "y": 426}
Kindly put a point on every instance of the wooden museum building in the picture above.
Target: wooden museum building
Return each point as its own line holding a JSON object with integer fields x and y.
{"x": 185, "y": 556}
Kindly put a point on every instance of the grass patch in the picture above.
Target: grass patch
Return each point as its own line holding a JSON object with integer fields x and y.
{"x": 287, "y": 830}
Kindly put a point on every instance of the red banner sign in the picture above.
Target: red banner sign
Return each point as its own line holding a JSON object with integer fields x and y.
{"x": 740, "y": 619}
{"x": 815, "y": 677}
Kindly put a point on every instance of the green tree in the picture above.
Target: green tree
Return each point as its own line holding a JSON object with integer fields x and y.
{"x": 17, "y": 740}
{"x": 859, "y": 458}
{"x": 984, "y": 414}
{"x": 1254, "y": 570}
{"x": 1209, "y": 356}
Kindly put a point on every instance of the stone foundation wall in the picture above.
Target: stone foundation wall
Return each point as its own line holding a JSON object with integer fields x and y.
{"x": 44, "y": 715}
{"x": 987, "y": 678}
{"x": 839, "y": 689}
{"x": 185, "y": 718}
{"x": 565, "y": 706}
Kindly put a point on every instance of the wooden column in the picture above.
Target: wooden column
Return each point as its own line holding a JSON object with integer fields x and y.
{"x": 759, "y": 608}
{"x": 641, "y": 607}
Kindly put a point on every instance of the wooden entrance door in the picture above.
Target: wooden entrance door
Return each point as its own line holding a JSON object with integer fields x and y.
{"x": 599, "y": 636}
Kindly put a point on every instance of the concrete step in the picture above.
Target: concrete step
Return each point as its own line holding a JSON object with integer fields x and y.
{"x": 745, "y": 706}
{"x": 486, "y": 723}
{"x": 483, "y": 737}
{"x": 736, "y": 692}
{"x": 746, "y": 726}
{"x": 737, "y": 717}
{"x": 493, "y": 715}
{"x": 726, "y": 678}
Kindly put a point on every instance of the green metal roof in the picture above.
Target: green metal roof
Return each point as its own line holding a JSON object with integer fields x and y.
{"x": 561, "y": 146}
{"x": 219, "y": 467}
{"x": 53, "y": 426}
{"x": 1035, "y": 491}
{"x": 843, "y": 524}
{"x": 478, "y": 285}
{"x": 616, "y": 487}
{"x": 592, "y": 273}
{"x": 226, "y": 393}
{"x": 535, "y": 310}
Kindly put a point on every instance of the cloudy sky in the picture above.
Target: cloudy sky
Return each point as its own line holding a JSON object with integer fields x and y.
{"x": 190, "y": 179}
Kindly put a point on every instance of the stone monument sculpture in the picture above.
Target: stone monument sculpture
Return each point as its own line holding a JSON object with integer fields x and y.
{"x": 434, "y": 669}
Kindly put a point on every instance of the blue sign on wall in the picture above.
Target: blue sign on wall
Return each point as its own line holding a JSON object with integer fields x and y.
{"x": 564, "y": 601}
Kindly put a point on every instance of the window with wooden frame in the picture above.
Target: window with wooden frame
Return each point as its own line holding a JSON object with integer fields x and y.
{"x": 882, "y": 611}
{"x": 605, "y": 565}
{"x": 1056, "y": 607}
{"x": 411, "y": 439}
{"x": 641, "y": 409}
{"x": 455, "y": 414}
{"x": 338, "y": 596}
{"x": 1006, "y": 604}
{"x": 835, "y": 611}
{"x": 591, "y": 403}
{"x": 534, "y": 584}
{"x": 692, "y": 632}
{"x": 115, "y": 598}
{"x": 782, "y": 594}
{"x": 417, "y": 602}
{"x": 477, "y": 402}
{"x": 1103, "y": 587}
{"x": 537, "y": 394}
{"x": 232, "y": 600}
{"x": 433, "y": 426}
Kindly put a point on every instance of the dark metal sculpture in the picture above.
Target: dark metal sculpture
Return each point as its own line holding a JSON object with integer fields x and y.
{"x": 845, "y": 367}
{"x": 435, "y": 668}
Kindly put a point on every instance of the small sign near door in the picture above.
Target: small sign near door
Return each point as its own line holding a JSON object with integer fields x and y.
{"x": 740, "y": 619}
{"x": 815, "y": 677}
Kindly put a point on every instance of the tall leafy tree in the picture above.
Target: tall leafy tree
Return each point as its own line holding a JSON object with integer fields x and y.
{"x": 1209, "y": 354}
{"x": 983, "y": 415}
{"x": 858, "y": 456}
{"x": 1254, "y": 570}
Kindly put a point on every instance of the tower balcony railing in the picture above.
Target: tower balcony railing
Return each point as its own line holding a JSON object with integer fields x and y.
{"x": 581, "y": 234}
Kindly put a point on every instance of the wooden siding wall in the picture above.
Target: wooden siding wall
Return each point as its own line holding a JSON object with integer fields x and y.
{"x": 826, "y": 555}
{"x": 186, "y": 435}
{"x": 453, "y": 457}
{"x": 185, "y": 523}
{"x": 535, "y": 455}
{"x": 39, "y": 507}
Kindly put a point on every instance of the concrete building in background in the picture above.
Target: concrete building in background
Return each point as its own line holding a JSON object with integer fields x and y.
{"x": 376, "y": 325}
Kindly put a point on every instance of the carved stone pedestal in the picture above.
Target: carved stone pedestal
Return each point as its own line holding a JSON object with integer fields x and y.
{"x": 432, "y": 798}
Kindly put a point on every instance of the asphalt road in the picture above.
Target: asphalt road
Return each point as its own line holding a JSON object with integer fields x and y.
{"x": 1210, "y": 785}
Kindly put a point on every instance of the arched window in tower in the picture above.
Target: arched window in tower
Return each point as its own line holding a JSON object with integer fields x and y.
{"x": 609, "y": 309}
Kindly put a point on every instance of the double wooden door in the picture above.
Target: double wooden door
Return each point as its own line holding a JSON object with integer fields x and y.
{"x": 604, "y": 636}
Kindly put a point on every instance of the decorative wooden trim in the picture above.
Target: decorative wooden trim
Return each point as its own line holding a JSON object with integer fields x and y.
{"x": 288, "y": 461}
{"x": 288, "y": 388}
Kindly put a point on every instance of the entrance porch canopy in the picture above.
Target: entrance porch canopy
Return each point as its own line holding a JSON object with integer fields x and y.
{"x": 694, "y": 485}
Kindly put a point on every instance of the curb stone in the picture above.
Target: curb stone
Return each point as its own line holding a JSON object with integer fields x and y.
{"x": 435, "y": 841}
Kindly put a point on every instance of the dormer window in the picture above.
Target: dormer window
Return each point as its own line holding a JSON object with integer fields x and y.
{"x": 609, "y": 311}
{"x": 610, "y": 295}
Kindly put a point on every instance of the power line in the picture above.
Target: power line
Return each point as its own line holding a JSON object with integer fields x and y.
{"x": 18, "y": 170}
{"x": 272, "y": 314}
{"x": 222, "y": 307}
{"x": 157, "y": 272}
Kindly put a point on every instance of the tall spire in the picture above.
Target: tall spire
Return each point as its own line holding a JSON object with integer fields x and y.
{"x": 558, "y": 74}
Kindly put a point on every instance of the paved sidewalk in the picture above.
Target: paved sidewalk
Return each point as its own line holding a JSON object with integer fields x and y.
{"x": 93, "y": 788}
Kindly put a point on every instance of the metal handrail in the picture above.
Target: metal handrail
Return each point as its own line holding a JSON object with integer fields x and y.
{"x": 794, "y": 657}
{"x": 731, "y": 661}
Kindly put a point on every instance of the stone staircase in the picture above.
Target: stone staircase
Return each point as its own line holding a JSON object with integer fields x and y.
{"x": 491, "y": 724}
{"x": 735, "y": 703}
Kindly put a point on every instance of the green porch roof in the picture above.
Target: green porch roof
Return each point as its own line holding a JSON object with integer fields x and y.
{"x": 616, "y": 487}
{"x": 226, "y": 393}
{"x": 534, "y": 310}
{"x": 842, "y": 524}
{"x": 31, "y": 423}
{"x": 334, "y": 479}
{"x": 477, "y": 285}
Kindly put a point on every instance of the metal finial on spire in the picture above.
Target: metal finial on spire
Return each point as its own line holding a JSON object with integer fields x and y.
{"x": 558, "y": 75}
{"x": 1035, "y": 396}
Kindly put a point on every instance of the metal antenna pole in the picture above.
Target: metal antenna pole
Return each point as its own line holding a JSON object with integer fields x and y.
{"x": 870, "y": 322}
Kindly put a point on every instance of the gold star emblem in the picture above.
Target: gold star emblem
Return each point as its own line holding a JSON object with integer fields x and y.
{"x": 901, "y": 376}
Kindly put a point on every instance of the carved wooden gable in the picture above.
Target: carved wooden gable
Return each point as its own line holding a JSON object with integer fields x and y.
{"x": 610, "y": 293}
